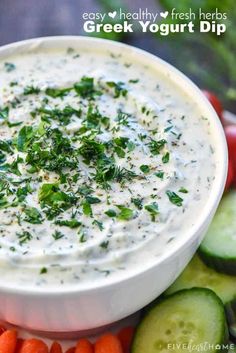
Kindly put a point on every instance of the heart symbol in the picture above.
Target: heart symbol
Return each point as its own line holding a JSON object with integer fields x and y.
{"x": 112, "y": 14}
{"x": 164, "y": 14}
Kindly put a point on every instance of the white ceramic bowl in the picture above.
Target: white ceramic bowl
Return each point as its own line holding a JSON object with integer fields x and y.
{"x": 82, "y": 309}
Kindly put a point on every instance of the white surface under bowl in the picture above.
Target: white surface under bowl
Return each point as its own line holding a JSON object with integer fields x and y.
{"x": 82, "y": 309}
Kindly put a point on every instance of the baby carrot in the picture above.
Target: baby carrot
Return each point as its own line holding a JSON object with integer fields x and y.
{"x": 33, "y": 345}
{"x": 2, "y": 329}
{"x": 126, "y": 336}
{"x": 19, "y": 345}
{"x": 108, "y": 343}
{"x": 8, "y": 341}
{"x": 56, "y": 348}
{"x": 84, "y": 346}
{"x": 70, "y": 350}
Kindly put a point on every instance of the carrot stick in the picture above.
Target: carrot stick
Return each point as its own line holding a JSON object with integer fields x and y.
{"x": 108, "y": 343}
{"x": 84, "y": 346}
{"x": 33, "y": 345}
{"x": 8, "y": 341}
{"x": 126, "y": 337}
{"x": 56, "y": 348}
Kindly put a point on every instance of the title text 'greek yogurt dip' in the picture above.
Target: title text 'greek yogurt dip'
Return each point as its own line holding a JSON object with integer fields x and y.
{"x": 104, "y": 163}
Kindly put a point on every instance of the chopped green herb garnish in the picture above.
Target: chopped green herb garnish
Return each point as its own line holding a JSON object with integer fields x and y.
{"x": 33, "y": 215}
{"x": 107, "y": 171}
{"x": 31, "y": 90}
{"x": 91, "y": 199}
{"x": 104, "y": 244}
{"x": 119, "y": 88}
{"x": 145, "y": 168}
{"x": 111, "y": 213}
{"x": 90, "y": 149}
{"x": 62, "y": 115}
{"x": 85, "y": 88}
{"x": 137, "y": 202}
{"x": 25, "y": 136}
{"x": 156, "y": 146}
{"x": 166, "y": 157}
{"x": 174, "y": 198}
{"x": 87, "y": 209}
{"x": 125, "y": 213}
{"x": 53, "y": 200}
{"x": 168, "y": 128}
{"x": 43, "y": 270}
{"x": 24, "y": 237}
{"x": 160, "y": 174}
{"x": 153, "y": 209}
{"x": 4, "y": 113}
{"x": 183, "y": 190}
{"x": 71, "y": 223}
{"x": 134, "y": 80}
{"x": 131, "y": 146}
{"x": 82, "y": 238}
{"x": 57, "y": 92}
{"x": 98, "y": 224}
{"x": 9, "y": 67}
{"x": 12, "y": 167}
{"x": 57, "y": 235}
{"x": 14, "y": 124}
{"x": 123, "y": 118}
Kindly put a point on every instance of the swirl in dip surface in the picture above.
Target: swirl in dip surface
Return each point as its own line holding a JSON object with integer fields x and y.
{"x": 104, "y": 163}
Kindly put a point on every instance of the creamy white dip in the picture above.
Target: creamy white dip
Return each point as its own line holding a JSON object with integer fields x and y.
{"x": 104, "y": 163}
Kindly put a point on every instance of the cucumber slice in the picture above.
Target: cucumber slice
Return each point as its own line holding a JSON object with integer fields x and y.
{"x": 232, "y": 332}
{"x": 197, "y": 274}
{"x": 218, "y": 249}
{"x": 230, "y": 310}
{"x": 232, "y": 348}
{"x": 189, "y": 317}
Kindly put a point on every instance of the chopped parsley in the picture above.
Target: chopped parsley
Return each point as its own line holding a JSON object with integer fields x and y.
{"x": 31, "y": 90}
{"x": 32, "y": 215}
{"x": 145, "y": 168}
{"x": 4, "y": 113}
{"x": 160, "y": 174}
{"x": 153, "y": 209}
{"x": 87, "y": 209}
{"x": 85, "y": 88}
{"x": 63, "y": 116}
{"x": 71, "y": 223}
{"x": 24, "y": 138}
{"x": 137, "y": 202}
{"x": 53, "y": 200}
{"x": 174, "y": 198}
{"x": 156, "y": 146}
{"x": 12, "y": 167}
{"x": 111, "y": 213}
{"x": 119, "y": 88}
{"x": 125, "y": 213}
{"x": 57, "y": 92}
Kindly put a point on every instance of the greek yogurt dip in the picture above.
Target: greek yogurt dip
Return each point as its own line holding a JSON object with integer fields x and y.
{"x": 104, "y": 164}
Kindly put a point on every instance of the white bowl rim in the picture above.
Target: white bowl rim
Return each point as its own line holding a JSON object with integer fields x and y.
{"x": 218, "y": 185}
